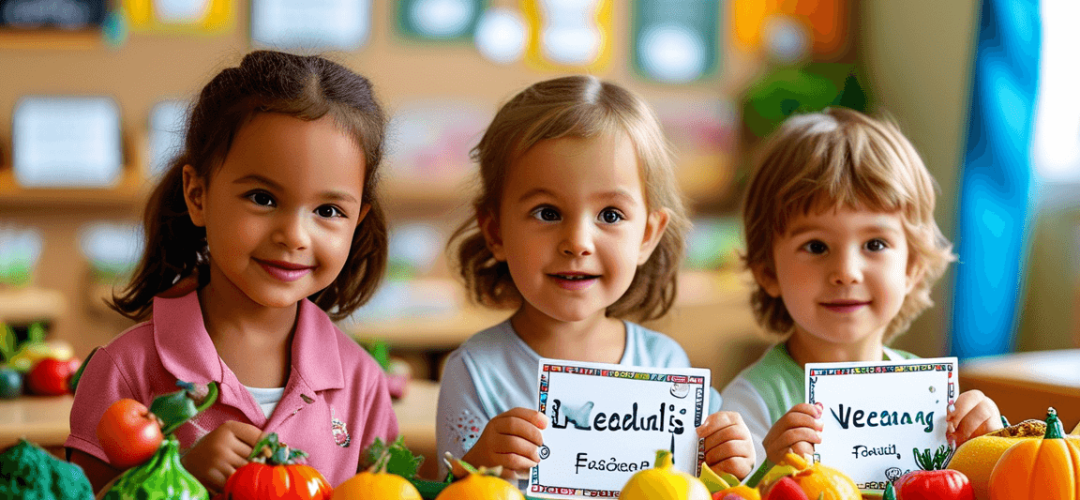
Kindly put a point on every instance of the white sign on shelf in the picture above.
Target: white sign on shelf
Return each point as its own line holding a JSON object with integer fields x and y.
{"x": 311, "y": 24}
{"x": 876, "y": 413}
{"x": 66, "y": 142}
{"x": 608, "y": 421}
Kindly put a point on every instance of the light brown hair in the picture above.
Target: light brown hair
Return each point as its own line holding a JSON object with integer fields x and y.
{"x": 842, "y": 158}
{"x": 305, "y": 87}
{"x": 579, "y": 107}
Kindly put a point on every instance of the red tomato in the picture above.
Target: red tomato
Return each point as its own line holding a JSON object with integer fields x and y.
{"x": 49, "y": 377}
{"x": 128, "y": 433}
{"x": 934, "y": 485}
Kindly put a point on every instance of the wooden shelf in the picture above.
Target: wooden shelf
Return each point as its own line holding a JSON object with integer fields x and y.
{"x": 24, "y": 305}
{"x": 54, "y": 39}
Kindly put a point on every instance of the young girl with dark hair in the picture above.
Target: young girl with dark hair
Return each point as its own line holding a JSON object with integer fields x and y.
{"x": 265, "y": 228}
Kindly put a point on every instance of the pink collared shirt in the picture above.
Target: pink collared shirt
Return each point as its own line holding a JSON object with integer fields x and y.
{"x": 334, "y": 406}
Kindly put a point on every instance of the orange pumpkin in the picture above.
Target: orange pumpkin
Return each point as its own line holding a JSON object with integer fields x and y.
{"x": 821, "y": 482}
{"x": 376, "y": 483}
{"x": 1039, "y": 469}
{"x": 478, "y": 484}
{"x": 977, "y": 456}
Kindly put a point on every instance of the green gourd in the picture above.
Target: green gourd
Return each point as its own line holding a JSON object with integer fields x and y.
{"x": 160, "y": 478}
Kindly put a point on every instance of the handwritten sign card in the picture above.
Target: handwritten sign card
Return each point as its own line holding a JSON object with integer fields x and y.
{"x": 608, "y": 422}
{"x": 875, "y": 414}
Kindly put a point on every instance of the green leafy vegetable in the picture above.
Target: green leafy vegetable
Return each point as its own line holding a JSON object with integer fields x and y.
{"x": 30, "y": 473}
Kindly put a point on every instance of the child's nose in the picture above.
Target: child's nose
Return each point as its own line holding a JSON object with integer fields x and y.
{"x": 292, "y": 232}
{"x": 847, "y": 271}
{"x": 576, "y": 240}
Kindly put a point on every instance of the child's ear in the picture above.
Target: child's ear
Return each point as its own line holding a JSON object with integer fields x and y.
{"x": 489, "y": 227}
{"x": 654, "y": 230}
{"x": 194, "y": 195}
{"x": 766, "y": 279}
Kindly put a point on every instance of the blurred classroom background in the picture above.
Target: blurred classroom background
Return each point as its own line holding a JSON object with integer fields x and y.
{"x": 93, "y": 95}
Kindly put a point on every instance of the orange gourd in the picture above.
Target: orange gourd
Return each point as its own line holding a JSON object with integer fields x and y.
{"x": 821, "y": 482}
{"x": 1039, "y": 469}
{"x": 661, "y": 482}
{"x": 977, "y": 456}
{"x": 376, "y": 483}
{"x": 478, "y": 484}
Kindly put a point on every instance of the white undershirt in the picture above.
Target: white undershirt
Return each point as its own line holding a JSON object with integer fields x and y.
{"x": 267, "y": 397}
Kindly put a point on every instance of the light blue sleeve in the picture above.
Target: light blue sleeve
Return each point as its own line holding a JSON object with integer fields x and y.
{"x": 460, "y": 417}
{"x": 740, "y": 396}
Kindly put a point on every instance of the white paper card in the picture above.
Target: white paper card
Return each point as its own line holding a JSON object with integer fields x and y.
{"x": 876, "y": 413}
{"x": 67, "y": 142}
{"x": 608, "y": 421}
{"x": 311, "y": 24}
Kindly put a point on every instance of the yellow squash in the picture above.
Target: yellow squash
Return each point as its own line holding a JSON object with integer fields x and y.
{"x": 664, "y": 483}
{"x": 977, "y": 456}
{"x": 1036, "y": 469}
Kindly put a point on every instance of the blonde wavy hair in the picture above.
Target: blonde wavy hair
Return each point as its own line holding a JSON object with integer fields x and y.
{"x": 842, "y": 158}
{"x": 579, "y": 107}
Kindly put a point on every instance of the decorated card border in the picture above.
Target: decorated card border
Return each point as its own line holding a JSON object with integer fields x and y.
{"x": 948, "y": 365}
{"x": 697, "y": 384}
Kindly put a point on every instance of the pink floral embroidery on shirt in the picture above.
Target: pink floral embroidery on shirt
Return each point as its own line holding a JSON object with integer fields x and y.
{"x": 341, "y": 433}
{"x": 467, "y": 429}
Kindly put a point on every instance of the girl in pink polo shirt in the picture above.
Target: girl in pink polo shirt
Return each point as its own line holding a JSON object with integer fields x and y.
{"x": 263, "y": 229}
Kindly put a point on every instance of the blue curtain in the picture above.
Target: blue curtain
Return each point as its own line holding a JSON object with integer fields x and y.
{"x": 996, "y": 180}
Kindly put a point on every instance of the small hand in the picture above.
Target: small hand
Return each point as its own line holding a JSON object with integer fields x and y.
{"x": 728, "y": 444}
{"x": 218, "y": 454}
{"x": 796, "y": 432}
{"x": 972, "y": 415}
{"x": 510, "y": 440}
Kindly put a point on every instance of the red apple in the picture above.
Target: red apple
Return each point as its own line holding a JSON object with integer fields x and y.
{"x": 128, "y": 433}
{"x": 49, "y": 377}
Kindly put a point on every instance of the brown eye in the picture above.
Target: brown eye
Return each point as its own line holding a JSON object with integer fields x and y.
{"x": 610, "y": 216}
{"x": 329, "y": 211}
{"x": 876, "y": 245}
{"x": 261, "y": 198}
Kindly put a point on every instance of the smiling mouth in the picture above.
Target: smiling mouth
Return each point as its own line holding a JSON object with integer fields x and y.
{"x": 575, "y": 276}
{"x": 845, "y": 306}
{"x": 284, "y": 271}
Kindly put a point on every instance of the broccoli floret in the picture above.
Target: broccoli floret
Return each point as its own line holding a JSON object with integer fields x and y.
{"x": 28, "y": 472}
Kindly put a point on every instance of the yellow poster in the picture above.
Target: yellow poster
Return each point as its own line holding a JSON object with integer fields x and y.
{"x": 199, "y": 16}
{"x": 568, "y": 36}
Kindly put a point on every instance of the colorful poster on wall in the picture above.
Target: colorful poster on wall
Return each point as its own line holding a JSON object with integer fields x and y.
{"x": 568, "y": 36}
{"x": 193, "y": 16}
{"x": 439, "y": 20}
{"x": 675, "y": 41}
{"x": 876, "y": 415}
{"x": 311, "y": 24}
{"x": 791, "y": 29}
{"x": 428, "y": 142}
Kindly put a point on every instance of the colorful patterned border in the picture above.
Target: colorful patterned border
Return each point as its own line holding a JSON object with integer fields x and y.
{"x": 699, "y": 392}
